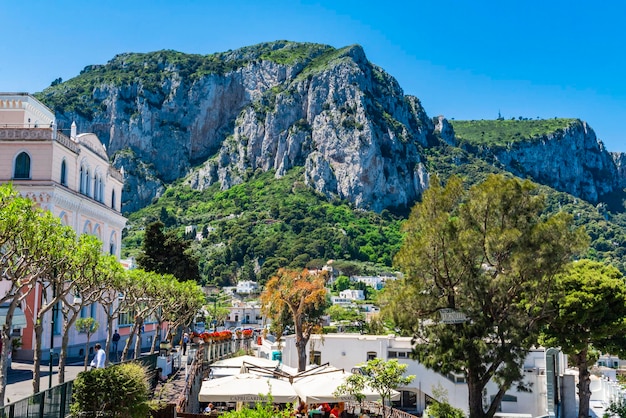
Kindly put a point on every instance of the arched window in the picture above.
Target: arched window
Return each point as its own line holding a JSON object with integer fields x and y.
{"x": 87, "y": 183}
{"x": 100, "y": 190}
{"x": 81, "y": 187}
{"x": 22, "y": 166}
{"x": 63, "y": 173}
{"x": 96, "y": 188}
{"x": 113, "y": 198}
{"x": 113, "y": 244}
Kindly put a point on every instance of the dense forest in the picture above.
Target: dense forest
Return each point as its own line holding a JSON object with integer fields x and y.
{"x": 252, "y": 229}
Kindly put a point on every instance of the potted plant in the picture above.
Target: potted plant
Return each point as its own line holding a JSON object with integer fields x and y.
{"x": 16, "y": 343}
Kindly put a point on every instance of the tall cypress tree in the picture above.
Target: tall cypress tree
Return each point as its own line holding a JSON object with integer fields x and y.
{"x": 167, "y": 253}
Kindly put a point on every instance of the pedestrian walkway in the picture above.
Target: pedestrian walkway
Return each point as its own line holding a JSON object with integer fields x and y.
{"x": 20, "y": 379}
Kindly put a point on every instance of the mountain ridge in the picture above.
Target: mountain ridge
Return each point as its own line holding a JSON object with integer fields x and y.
{"x": 167, "y": 115}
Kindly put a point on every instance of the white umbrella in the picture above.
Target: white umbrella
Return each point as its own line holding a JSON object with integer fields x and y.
{"x": 320, "y": 387}
{"x": 246, "y": 387}
{"x": 238, "y": 362}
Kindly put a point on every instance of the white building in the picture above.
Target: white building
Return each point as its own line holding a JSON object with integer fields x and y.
{"x": 69, "y": 176}
{"x": 352, "y": 294}
{"x": 348, "y": 350}
{"x": 244, "y": 314}
{"x": 247, "y": 287}
{"x": 376, "y": 282}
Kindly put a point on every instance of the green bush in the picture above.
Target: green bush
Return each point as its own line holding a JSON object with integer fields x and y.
{"x": 443, "y": 410}
{"x": 265, "y": 409}
{"x": 116, "y": 391}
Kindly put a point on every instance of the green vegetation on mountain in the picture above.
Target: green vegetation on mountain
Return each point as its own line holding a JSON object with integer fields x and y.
{"x": 151, "y": 70}
{"x": 252, "y": 229}
{"x": 324, "y": 61}
{"x": 294, "y": 52}
{"x": 503, "y": 133}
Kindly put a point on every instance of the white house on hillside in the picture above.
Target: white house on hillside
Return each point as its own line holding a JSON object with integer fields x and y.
{"x": 377, "y": 282}
{"x": 247, "y": 287}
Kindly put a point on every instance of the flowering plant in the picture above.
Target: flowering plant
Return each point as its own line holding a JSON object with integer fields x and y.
{"x": 225, "y": 335}
{"x": 247, "y": 333}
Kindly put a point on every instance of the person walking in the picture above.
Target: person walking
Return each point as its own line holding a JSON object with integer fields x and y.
{"x": 185, "y": 342}
{"x": 99, "y": 359}
{"x": 116, "y": 339}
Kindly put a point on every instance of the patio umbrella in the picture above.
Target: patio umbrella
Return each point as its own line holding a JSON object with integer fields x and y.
{"x": 320, "y": 387}
{"x": 243, "y": 364}
{"x": 246, "y": 387}
{"x": 238, "y": 362}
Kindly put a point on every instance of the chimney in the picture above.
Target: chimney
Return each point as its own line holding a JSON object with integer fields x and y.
{"x": 73, "y": 131}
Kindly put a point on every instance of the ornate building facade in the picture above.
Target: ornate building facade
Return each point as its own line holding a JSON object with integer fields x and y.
{"x": 68, "y": 174}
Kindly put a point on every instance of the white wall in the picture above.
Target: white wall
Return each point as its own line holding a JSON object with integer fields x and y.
{"x": 348, "y": 350}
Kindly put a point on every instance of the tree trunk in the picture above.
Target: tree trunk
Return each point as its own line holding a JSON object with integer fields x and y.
{"x": 6, "y": 342}
{"x": 86, "y": 358}
{"x": 584, "y": 394}
{"x": 138, "y": 340}
{"x": 157, "y": 336}
{"x": 475, "y": 391}
{"x": 129, "y": 341}
{"x": 301, "y": 342}
{"x": 65, "y": 339}
{"x": 37, "y": 358}
{"x": 69, "y": 320}
{"x": 109, "y": 335}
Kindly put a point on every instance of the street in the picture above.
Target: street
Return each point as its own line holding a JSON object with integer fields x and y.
{"x": 20, "y": 379}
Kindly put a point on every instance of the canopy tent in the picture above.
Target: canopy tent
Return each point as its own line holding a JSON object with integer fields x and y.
{"x": 19, "y": 319}
{"x": 243, "y": 364}
{"x": 321, "y": 387}
{"x": 246, "y": 387}
{"x": 238, "y": 362}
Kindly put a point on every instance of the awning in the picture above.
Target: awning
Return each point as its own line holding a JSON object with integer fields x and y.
{"x": 246, "y": 387}
{"x": 19, "y": 319}
{"x": 321, "y": 386}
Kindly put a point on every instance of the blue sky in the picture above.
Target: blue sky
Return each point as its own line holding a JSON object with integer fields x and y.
{"x": 462, "y": 59}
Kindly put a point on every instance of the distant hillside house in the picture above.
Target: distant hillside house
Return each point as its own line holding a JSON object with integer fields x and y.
{"x": 247, "y": 287}
{"x": 376, "y": 282}
{"x": 352, "y": 294}
{"x": 68, "y": 174}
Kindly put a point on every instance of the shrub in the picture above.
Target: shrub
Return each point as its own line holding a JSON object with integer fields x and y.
{"x": 116, "y": 391}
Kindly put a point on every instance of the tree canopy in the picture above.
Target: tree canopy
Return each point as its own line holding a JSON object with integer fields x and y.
{"x": 166, "y": 253}
{"x": 490, "y": 256}
{"x": 299, "y": 296}
{"x": 589, "y": 311}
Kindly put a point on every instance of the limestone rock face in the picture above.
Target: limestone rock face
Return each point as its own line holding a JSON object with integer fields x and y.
{"x": 620, "y": 162}
{"x": 272, "y": 107}
{"x": 343, "y": 119}
{"x": 572, "y": 161}
{"x": 445, "y": 130}
{"x": 347, "y": 125}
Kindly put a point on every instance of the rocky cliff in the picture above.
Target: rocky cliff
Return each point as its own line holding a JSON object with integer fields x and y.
{"x": 571, "y": 160}
{"x": 267, "y": 107}
{"x": 273, "y": 106}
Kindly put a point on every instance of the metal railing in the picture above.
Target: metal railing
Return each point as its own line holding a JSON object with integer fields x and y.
{"x": 51, "y": 403}
{"x": 55, "y": 402}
